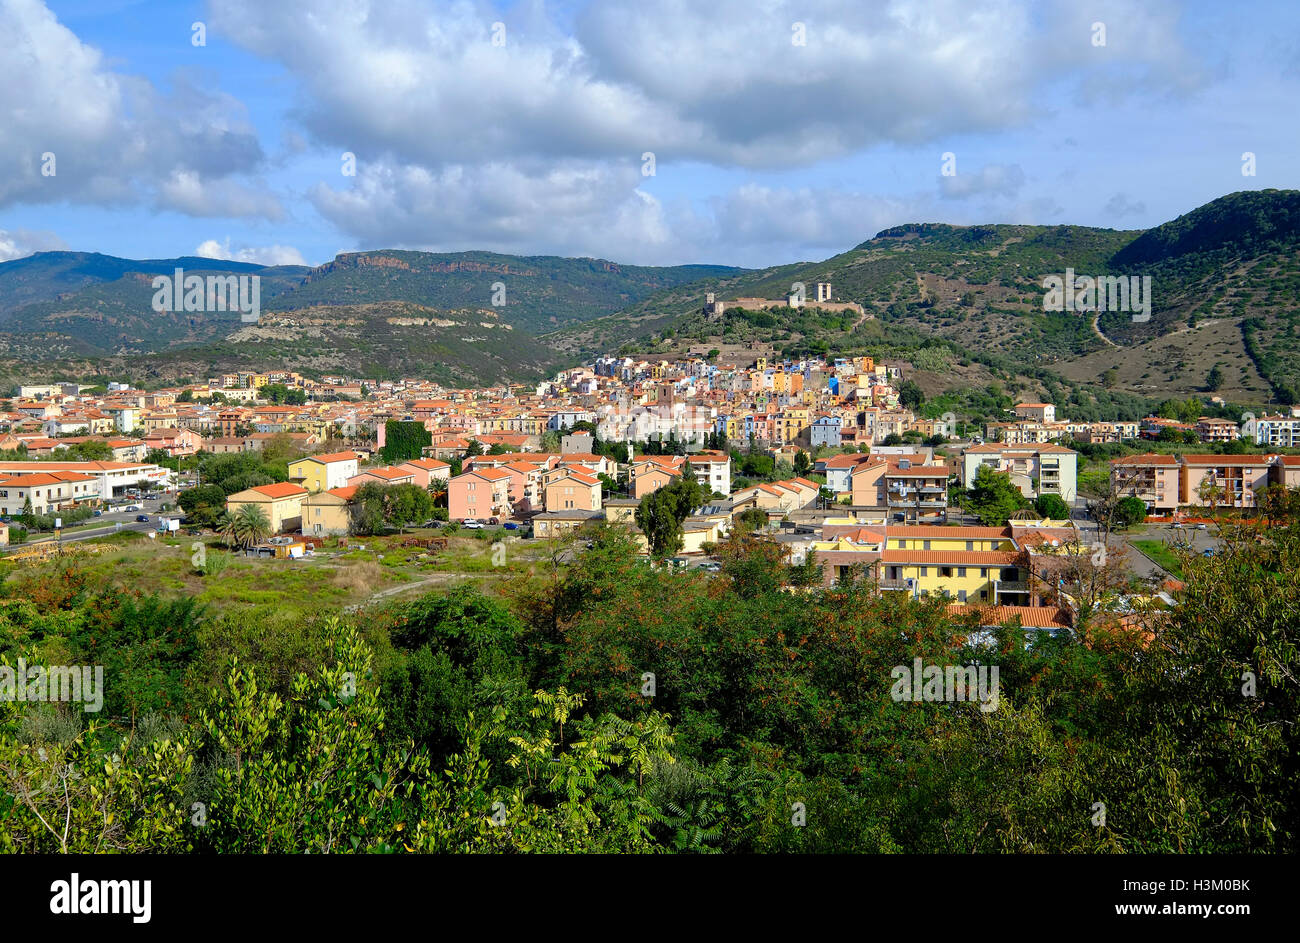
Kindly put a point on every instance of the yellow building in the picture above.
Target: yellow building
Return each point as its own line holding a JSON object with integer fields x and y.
{"x": 326, "y": 513}
{"x": 323, "y": 472}
{"x": 280, "y": 502}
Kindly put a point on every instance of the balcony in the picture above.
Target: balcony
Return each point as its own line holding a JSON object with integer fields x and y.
{"x": 894, "y": 585}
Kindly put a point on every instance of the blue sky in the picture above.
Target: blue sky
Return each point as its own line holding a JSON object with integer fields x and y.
{"x": 765, "y": 150}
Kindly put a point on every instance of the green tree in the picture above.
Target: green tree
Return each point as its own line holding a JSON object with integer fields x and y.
{"x": 661, "y": 513}
{"x": 1052, "y": 506}
{"x": 1129, "y": 511}
{"x": 367, "y": 511}
{"x": 203, "y": 504}
{"x": 993, "y": 498}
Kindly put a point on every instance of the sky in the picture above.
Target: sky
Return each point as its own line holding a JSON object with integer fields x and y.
{"x": 741, "y": 132}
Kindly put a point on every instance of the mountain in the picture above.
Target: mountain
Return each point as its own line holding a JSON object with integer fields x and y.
{"x": 374, "y": 312}
{"x": 1225, "y": 289}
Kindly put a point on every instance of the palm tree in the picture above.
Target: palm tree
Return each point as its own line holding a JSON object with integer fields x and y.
{"x": 251, "y": 525}
{"x": 227, "y": 527}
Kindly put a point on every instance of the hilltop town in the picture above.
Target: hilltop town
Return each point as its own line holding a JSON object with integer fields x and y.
{"x": 819, "y": 454}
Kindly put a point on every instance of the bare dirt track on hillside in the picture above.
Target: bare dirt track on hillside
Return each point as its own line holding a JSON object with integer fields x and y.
{"x": 1176, "y": 364}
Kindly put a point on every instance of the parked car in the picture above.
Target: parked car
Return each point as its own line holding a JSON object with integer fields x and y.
{"x": 142, "y": 518}
{"x": 1209, "y": 552}
{"x": 510, "y": 525}
{"x": 134, "y": 507}
{"x": 471, "y": 524}
{"x": 1202, "y": 527}
{"x": 494, "y": 521}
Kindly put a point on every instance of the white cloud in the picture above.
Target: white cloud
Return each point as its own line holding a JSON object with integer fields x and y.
{"x": 113, "y": 137}
{"x": 188, "y": 192}
{"x": 260, "y": 255}
{"x": 574, "y": 207}
{"x": 19, "y": 243}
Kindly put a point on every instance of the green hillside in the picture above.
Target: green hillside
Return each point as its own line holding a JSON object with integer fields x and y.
{"x": 1224, "y": 286}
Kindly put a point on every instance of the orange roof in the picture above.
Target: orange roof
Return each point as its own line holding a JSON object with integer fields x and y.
{"x": 389, "y": 474}
{"x": 344, "y": 493}
{"x": 334, "y": 457}
{"x": 843, "y": 461}
{"x": 27, "y": 481}
{"x": 579, "y": 476}
{"x": 280, "y": 489}
{"x": 1030, "y": 616}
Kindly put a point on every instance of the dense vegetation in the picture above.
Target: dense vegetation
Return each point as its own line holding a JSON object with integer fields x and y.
{"x": 602, "y": 705}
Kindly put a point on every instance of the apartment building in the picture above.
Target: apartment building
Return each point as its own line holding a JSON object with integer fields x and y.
{"x": 1223, "y": 480}
{"x": 111, "y": 478}
{"x": 916, "y": 494}
{"x": 1169, "y": 482}
{"x": 481, "y": 493}
{"x": 45, "y": 492}
{"x": 1282, "y": 432}
{"x": 1217, "y": 430}
{"x": 1034, "y": 469}
{"x": 1153, "y": 478}
{"x": 572, "y": 490}
{"x": 712, "y": 470}
{"x": 323, "y": 472}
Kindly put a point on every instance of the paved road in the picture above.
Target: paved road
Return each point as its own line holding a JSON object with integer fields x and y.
{"x": 110, "y": 522}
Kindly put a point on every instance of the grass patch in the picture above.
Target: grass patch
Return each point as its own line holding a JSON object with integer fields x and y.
{"x": 1164, "y": 556}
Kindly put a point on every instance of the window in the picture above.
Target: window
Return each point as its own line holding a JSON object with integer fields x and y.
{"x": 961, "y": 571}
{"x": 970, "y": 545}
{"x": 925, "y": 571}
{"x": 925, "y": 545}
{"x": 984, "y": 572}
{"x": 945, "y": 571}
{"x": 961, "y": 595}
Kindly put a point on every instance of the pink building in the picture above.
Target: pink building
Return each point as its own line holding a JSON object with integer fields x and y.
{"x": 479, "y": 494}
{"x": 427, "y": 471}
